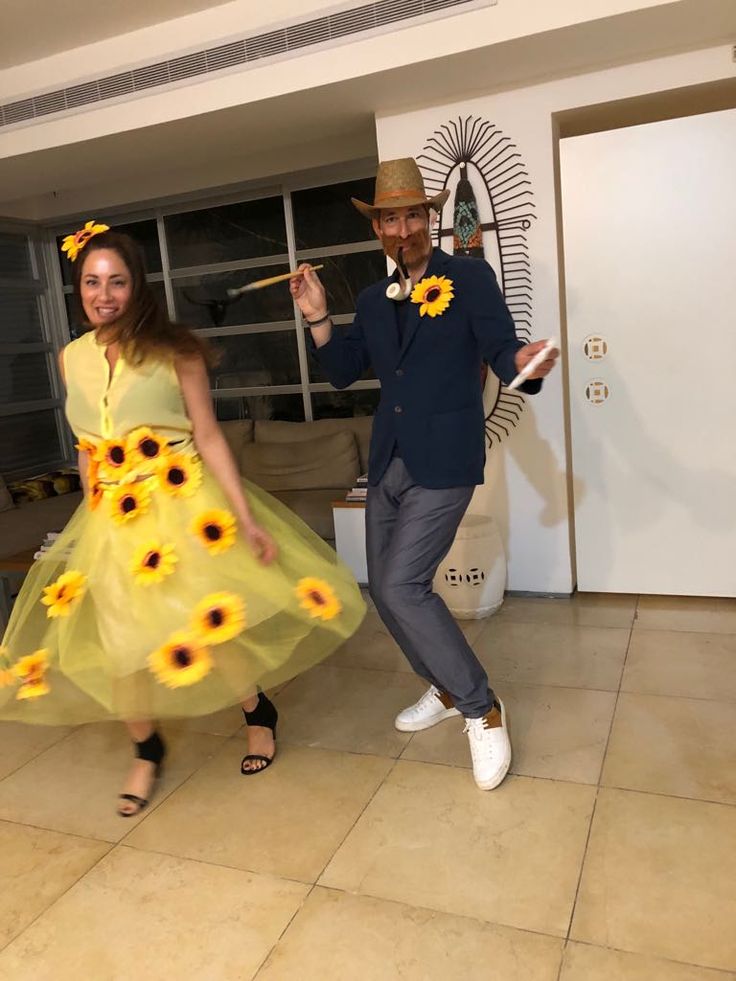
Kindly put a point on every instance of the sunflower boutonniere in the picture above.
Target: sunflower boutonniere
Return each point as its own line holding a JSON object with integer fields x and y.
{"x": 434, "y": 294}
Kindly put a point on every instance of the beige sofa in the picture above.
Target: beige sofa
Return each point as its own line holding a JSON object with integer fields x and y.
{"x": 307, "y": 465}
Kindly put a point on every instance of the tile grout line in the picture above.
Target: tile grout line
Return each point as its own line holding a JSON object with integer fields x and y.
{"x": 595, "y": 802}
{"x": 61, "y": 895}
{"x": 668, "y": 960}
{"x": 321, "y": 873}
{"x": 40, "y": 753}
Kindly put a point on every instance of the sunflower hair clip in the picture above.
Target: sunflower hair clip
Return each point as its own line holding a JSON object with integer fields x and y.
{"x": 73, "y": 244}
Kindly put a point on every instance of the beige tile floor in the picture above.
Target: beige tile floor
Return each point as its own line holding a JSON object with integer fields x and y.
{"x": 609, "y": 853}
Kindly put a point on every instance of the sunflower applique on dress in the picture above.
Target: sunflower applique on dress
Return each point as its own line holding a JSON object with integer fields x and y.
{"x": 31, "y": 673}
{"x": 215, "y": 530}
{"x": 180, "y": 474}
{"x": 152, "y": 562}
{"x": 63, "y": 595}
{"x": 433, "y": 294}
{"x": 182, "y": 661}
{"x": 318, "y": 598}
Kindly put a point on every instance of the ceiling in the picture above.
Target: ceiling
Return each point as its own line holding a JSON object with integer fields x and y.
{"x": 33, "y": 29}
{"x": 171, "y": 151}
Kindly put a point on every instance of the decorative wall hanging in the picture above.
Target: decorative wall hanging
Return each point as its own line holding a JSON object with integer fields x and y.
{"x": 487, "y": 216}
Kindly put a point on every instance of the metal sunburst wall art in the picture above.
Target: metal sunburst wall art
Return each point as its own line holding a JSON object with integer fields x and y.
{"x": 487, "y": 216}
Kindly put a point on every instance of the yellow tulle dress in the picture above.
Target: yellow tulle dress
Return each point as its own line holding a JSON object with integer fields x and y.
{"x": 151, "y": 604}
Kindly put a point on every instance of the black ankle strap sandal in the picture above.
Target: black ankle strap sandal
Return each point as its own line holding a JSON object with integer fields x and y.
{"x": 264, "y": 714}
{"x": 153, "y": 751}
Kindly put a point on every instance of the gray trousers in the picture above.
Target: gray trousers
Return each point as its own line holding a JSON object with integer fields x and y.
{"x": 409, "y": 530}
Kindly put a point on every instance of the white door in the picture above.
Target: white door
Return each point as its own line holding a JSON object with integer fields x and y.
{"x": 649, "y": 216}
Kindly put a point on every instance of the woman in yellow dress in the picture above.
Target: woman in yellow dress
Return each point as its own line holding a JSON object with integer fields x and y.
{"x": 177, "y": 588}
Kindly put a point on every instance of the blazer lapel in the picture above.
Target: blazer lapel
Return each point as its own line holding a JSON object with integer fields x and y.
{"x": 436, "y": 267}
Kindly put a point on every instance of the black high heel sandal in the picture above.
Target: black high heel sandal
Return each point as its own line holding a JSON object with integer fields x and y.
{"x": 153, "y": 751}
{"x": 264, "y": 714}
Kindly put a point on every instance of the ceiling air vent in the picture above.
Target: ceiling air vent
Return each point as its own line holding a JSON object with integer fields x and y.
{"x": 331, "y": 29}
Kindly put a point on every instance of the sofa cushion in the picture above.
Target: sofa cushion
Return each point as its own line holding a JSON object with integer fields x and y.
{"x": 6, "y": 501}
{"x": 276, "y": 431}
{"x": 330, "y": 461}
{"x": 314, "y": 507}
{"x": 237, "y": 432}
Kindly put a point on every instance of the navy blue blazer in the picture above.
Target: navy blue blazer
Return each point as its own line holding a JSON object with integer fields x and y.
{"x": 431, "y": 401}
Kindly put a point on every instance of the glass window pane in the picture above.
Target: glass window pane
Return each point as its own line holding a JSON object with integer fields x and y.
{"x": 202, "y": 301}
{"x": 338, "y": 405}
{"x": 344, "y": 276}
{"x": 145, "y": 233}
{"x": 20, "y": 318}
{"x": 288, "y": 408}
{"x": 24, "y": 377}
{"x": 76, "y": 321}
{"x": 248, "y": 360}
{"x": 234, "y": 231}
{"x": 28, "y": 442}
{"x": 15, "y": 256}
{"x": 326, "y": 215}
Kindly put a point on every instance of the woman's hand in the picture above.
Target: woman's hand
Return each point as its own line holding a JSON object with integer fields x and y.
{"x": 262, "y": 545}
{"x": 309, "y": 293}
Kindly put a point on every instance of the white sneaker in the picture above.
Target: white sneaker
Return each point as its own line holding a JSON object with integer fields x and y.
{"x": 432, "y": 707}
{"x": 490, "y": 748}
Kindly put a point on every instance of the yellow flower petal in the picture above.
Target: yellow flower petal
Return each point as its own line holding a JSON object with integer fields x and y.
{"x": 180, "y": 474}
{"x": 73, "y": 244}
{"x": 433, "y": 294}
{"x": 127, "y": 501}
{"x": 318, "y": 598}
{"x": 215, "y": 530}
{"x": 64, "y": 594}
{"x": 152, "y": 562}
{"x": 31, "y": 672}
{"x": 218, "y": 617}
{"x": 181, "y": 661}
{"x": 145, "y": 447}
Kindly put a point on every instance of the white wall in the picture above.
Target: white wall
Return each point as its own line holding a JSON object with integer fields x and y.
{"x": 526, "y": 483}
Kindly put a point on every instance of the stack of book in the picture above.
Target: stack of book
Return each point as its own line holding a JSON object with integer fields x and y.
{"x": 360, "y": 491}
{"x": 48, "y": 541}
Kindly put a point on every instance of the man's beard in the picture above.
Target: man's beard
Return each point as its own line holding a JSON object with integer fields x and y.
{"x": 416, "y": 247}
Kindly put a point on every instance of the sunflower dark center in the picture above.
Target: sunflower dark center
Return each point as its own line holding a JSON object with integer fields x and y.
{"x": 176, "y": 476}
{"x": 216, "y": 617}
{"x": 128, "y": 504}
{"x": 149, "y": 448}
{"x": 213, "y": 533}
{"x": 152, "y": 560}
{"x": 432, "y": 294}
{"x": 117, "y": 455}
{"x": 60, "y": 594}
{"x": 317, "y": 598}
{"x": 182, "y": 657}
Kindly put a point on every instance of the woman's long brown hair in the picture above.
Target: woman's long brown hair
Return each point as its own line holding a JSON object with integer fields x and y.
{"x": 144, "y": 332}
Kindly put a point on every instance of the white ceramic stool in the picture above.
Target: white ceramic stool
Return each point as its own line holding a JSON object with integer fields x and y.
{"x": 472, "y": 577}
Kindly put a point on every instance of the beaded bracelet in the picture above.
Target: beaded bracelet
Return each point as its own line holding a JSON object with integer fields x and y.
{"x": 316, "y": 323}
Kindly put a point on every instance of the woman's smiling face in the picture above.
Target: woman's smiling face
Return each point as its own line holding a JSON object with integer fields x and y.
{"x": 106, "y": 287}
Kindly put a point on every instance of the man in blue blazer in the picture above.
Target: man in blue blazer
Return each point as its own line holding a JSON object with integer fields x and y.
{"x": 425, "y": 331}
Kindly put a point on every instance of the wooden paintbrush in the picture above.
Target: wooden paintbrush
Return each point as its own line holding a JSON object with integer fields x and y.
{"x": 260, "y": 283}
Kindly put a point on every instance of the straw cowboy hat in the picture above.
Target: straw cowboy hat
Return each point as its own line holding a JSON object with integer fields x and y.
{"x": 399, "y": 184}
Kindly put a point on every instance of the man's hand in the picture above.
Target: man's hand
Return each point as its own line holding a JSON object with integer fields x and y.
{"x": 309, "y": 293}
{"x": 525, "y": 354}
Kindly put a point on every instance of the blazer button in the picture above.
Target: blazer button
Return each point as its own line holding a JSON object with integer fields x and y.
{"x": 397, "y": 408}
{"x": 399, "y": 372}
